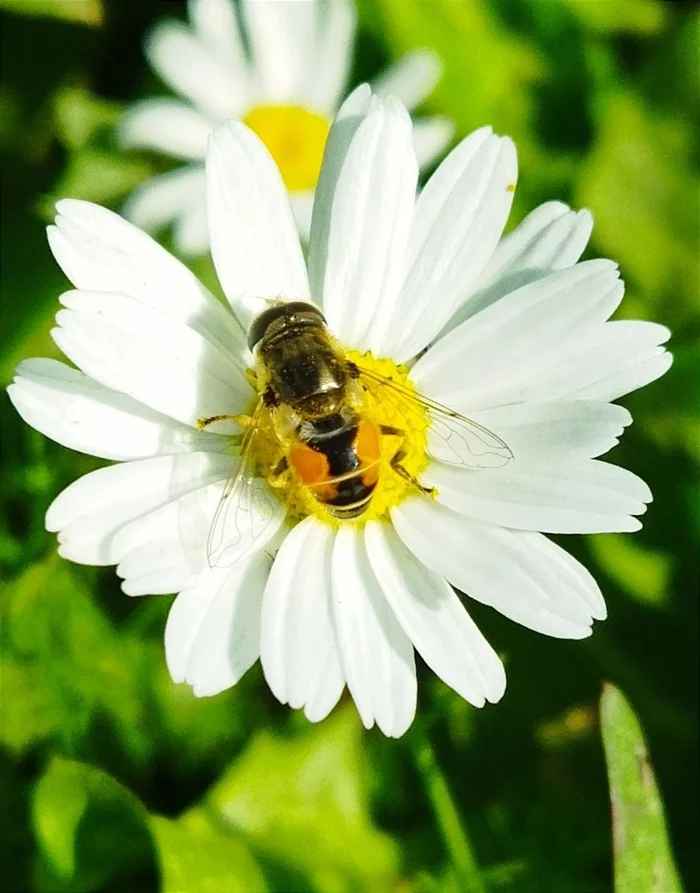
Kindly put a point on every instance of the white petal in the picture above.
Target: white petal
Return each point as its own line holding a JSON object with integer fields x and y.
{"x": 549, "y": 433}
{"x": 302, "y": 207}
{"x": 227, "y": 643}
{"x": 349, "y": 118}
{"x": 166, "y": 125}
{"x": 521, "y": 574}
{"x": 216, "y": 24}
{"x": 254, "y": 239}
{"x": 282, "y": 42}
{"x": 630, "y": 379}
{"x": 167, "y": 547}
{"x": 299, "y": 651}
{"x": 159, "y": 200}
{"x": 604, "y": 363}
{"x": 100, "y": 251}
{"x": 587, "y": 496}
{"x": 174, "y": 539}
{"x": 154, "y": 358}
{"x": 191, "y": 232}
{"x": 412, "y": 79}
{"x": 598, "y": 362}
{"x": 93, "y": 509}
{"x": 576, "y": 575}
{"x": 458, "y": 220}
{"x": 157, "y": 570}
{"x": 184, "y": 619}
{"x": 508, "y": 342}
{"x": 376, "y": 655}
{"x": 72, "y": 409}
{"x": 551, "y": 238}
{"x": 212, "y": 636}
{"x": 431, "y": 136}
{"x": 161, "y": 579}
{"x": 332, "y": 56}
{"x": 210, "y": 80}
{"x": 369, "y": 226}
{"x": 434, "y": 619}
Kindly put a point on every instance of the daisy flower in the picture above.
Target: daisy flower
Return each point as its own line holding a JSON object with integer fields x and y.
{"x": 510, "y": 331}
{"x": 281, "y": 67}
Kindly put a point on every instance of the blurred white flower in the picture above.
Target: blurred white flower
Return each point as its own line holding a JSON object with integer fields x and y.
{"x": 286, "y": 85}
{"x": 517, "y": 339}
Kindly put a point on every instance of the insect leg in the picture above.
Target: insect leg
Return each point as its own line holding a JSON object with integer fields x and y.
{"x": 407, "y": 476}
{"x": 242, "y": 420}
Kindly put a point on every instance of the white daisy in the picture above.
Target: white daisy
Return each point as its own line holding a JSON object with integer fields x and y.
{"x": 287, "y": 87}
{"x": 519, "y": 342}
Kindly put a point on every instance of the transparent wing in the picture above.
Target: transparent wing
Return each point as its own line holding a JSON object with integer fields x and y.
{"x": 452, "y": 438}
{"x": 247, "y": 512}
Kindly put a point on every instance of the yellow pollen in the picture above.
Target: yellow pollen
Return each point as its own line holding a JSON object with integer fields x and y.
{"x": 296, "y": 139}
{"x": 381, "y": 405}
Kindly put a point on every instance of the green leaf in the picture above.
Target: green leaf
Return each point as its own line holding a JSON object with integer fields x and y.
{"x": 198, "y": 857}
{"x": 488, "y": 72}
{"x": 635, "y": 16}
{"x": 46, "y": 622}
{"x": 66, "y": 669}
{"x": 643, "y": 573}
{"x": 304, "y": 802}
{"x": 61, "y": 650}
{"x": 60, "y": 800}
{"x": 27, "y": 711}
{"x": 84, "y": 12}
{"x": 643, "y": 859}
{"x": 79, "y": 115}
{"x": 96, "y": 175}
{"x": 31, "y": 282}
{"x": 637, "y": 182}
{"x": 88, "y": 827}
{"x": 96, "y": 170}
{"x": 673, "y": 421}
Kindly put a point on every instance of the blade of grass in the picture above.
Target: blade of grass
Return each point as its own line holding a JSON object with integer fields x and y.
{"x": 643, "y": 858}
{"x": 455, "y": 837}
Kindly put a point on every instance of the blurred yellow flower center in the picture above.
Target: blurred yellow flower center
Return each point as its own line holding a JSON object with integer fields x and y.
{"x": 296, "y": 139}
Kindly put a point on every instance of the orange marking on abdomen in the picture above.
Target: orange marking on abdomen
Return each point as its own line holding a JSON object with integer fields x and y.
{"x": 368, "y": 451}
{"x": 313, "y": 470}
{"x": 310, "y": 465}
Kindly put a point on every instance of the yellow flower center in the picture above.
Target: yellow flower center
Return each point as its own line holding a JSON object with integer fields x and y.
{"x": 382, "y": 406}
{"x": 296, "y": 139}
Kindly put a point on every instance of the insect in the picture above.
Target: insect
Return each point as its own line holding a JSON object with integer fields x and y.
{"x": 313, "y": 406}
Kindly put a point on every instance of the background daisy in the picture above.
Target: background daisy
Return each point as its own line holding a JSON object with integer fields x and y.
{"x": 282, "y": 67}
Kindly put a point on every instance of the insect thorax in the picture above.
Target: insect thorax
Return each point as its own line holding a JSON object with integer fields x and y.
{"x": 305, "y": 371}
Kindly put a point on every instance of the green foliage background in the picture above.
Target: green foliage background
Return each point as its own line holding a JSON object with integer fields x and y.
{"x": 111, "y": 777}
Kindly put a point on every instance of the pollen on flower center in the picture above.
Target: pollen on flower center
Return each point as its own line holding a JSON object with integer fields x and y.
{"x": 296, "y": 139}
{"x": 403, "y": 431}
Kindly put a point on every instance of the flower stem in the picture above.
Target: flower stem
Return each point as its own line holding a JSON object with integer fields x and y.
{"x": 454, "y": 836}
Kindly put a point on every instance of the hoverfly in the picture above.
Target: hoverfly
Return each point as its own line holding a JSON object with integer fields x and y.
{"x": 312, "y": 404}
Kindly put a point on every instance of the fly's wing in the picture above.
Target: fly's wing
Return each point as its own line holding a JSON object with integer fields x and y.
{"x": 452, "y": 438}
{"x": 247, "y": 511}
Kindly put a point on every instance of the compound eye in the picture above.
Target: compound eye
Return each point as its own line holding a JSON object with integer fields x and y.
{"x": 284, "y": 312}
{"x": 259, "y": 325}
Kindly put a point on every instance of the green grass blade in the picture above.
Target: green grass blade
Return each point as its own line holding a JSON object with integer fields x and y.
{"x": 643, "y": 858}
